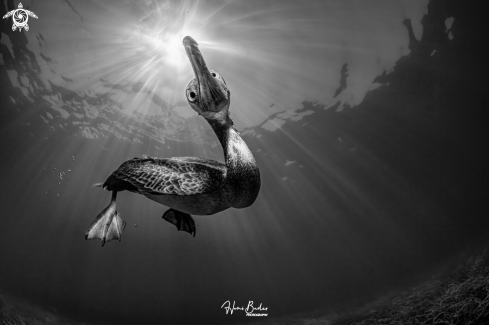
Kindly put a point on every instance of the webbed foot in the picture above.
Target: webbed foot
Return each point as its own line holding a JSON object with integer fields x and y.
{"x": 183, "y": 221}
{"x": 108, "y": 225}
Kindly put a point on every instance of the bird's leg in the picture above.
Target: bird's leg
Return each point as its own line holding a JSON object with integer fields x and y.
{"x": 183, "y": 221}
{"x": 108, "y": 225}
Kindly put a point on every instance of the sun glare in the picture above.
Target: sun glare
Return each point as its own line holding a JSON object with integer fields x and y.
{"x": 166, "y": 49}
{"x": 152, "y": 59}
{"x": 174, "y": 50}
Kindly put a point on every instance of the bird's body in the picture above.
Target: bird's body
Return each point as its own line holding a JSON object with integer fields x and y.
{"x": 188, "y": 185}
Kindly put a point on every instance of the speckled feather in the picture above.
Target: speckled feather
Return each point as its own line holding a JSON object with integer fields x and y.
{"x": 170, "y": 176}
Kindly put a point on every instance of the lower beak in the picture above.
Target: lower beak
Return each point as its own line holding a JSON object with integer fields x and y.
{"x": 212, "y": 95}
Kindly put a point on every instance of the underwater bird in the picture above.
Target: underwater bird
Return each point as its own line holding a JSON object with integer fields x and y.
{"x": 188, "y": 185}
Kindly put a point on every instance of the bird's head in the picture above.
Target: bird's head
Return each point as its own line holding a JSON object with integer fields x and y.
{"x": 207, "y": 93}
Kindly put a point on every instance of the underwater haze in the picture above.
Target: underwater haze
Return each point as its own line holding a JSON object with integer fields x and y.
{"x": 366, "y": 120}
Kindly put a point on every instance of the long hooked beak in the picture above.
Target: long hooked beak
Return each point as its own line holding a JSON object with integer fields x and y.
{"x": 213, "y": 96}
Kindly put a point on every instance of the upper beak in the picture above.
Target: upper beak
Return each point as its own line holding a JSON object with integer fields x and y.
{"x": 212, "y": 95}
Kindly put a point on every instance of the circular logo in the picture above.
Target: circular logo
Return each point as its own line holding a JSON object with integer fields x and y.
{"x": 20, "y": 18}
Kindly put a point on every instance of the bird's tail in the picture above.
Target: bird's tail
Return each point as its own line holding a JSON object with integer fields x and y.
{"x": 108, "y": 225}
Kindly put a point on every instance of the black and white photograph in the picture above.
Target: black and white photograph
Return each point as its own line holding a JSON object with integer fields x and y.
{"x": 247, "y": 162}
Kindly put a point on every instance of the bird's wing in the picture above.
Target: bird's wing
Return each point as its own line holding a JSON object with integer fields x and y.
{"x": 10, "y": 13}
{"x": 30, "y": 13}
{"x": 172, "y": 176}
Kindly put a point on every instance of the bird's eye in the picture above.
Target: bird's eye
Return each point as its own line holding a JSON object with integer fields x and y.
{"x": 191, "y": 95}
{"x": 216, "y": 75}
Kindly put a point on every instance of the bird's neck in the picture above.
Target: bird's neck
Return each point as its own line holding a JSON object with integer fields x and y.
{"x": 243, "y": 176}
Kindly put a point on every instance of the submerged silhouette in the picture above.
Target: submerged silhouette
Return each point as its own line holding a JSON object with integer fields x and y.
{"x": 188, "y": 185}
